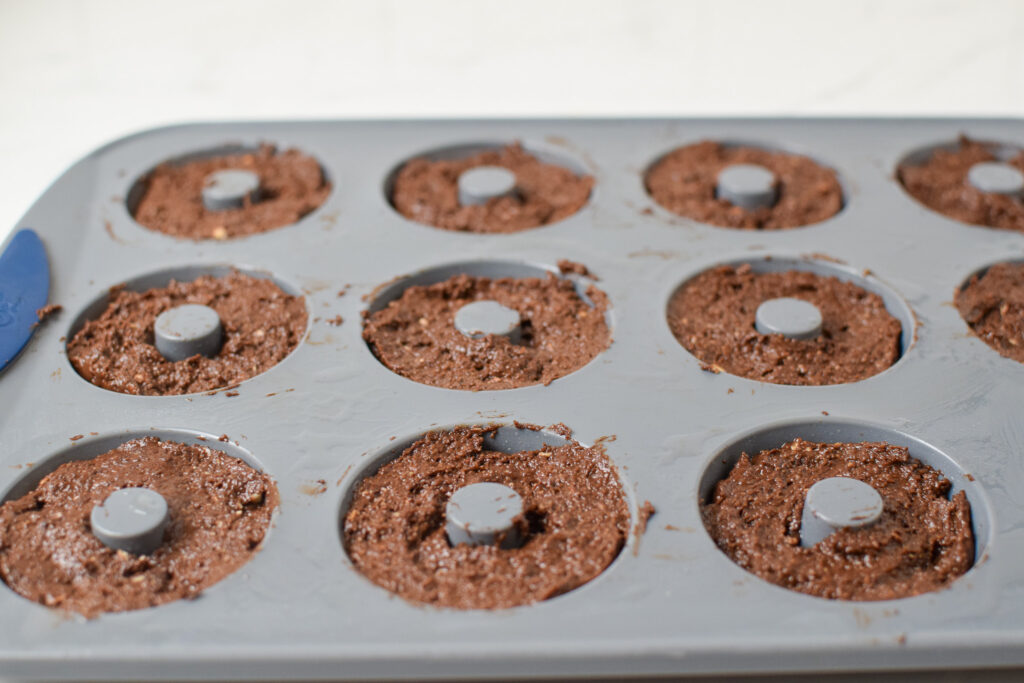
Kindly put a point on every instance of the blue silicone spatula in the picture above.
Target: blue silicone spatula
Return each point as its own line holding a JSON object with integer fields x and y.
{"x": 24, "y": 289}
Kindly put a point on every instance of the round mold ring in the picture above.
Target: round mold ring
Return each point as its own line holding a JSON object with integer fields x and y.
{"x": 842, "y": 430}
{"x": 161, "y": 278}
{"x": 138, "y": 187}
{"x": 506, "y": 438}
{"x": 544, "y": 153}
{"x": 730, "y": 143}
{"x": 90, "y": 447}
{"x": 1003, "y": 151}
{"x": 979, "y": 273}
{"x": 393, "y": 289}
{"x": 981, "y": 270}
{"x": 894, "y": 303}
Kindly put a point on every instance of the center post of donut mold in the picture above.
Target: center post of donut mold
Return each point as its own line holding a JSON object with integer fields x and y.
{"x": 748, "y": 186}
{"x": 837, "y": 503}
{"x": 480, "y": 184}
{"x": 481, "y": 318}
{"x": 790, "y": 317}
{"x": 131, "y": 519}
{"x": 188, "y": 330}
{"x": 484, "y": 514}
{"x": 230, "y": 189}
{"x": 996, "y": 177}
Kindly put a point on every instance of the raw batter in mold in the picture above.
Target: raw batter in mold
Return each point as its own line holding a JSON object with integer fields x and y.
{"x": 993, "y": 306}
{"x": 684, "y": 182}
{"x": 713, "y": 317}
{"x": 220, "y": 510}
{"x": 921, "y": 543}
{"x": 291, "y": 186}
{"x": 575, "y": 522}
{"x": 262, "y": 324}
{"x": 415, "y": 335}
{"x": 427, "y": 192}
{"x": 940, "y": 183}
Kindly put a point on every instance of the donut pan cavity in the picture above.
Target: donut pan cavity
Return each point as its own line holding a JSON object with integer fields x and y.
{"x": 318, "y": 422}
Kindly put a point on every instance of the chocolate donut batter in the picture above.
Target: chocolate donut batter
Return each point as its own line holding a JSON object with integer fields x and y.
{"x": 416, "y": 336}
{"x": 220, "y": 510}
{"x": 291, "y": 186}
{"x": 684, "y": 181}
{"x": 262, "y": 324}
{"x": 941, "y": 184}
{"x": 427, "y": 192}
{"x": 993, "y": 306}
{"x": 575, "y": 522}
{"x": 713, "y": 317}
{"x": 922, "y": 542}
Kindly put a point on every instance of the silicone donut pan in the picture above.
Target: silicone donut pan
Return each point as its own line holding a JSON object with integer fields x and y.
{"x": 327, "y": 415}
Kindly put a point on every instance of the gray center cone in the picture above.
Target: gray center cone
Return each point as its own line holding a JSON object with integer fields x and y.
{"x": 132, "y": 520}
{"x": 793, "y": 318}
{"x": 481, "y": 318}
{"x": 837, "y": 503}
{"x": 484, "y": 514}
{"x": 188, "y": 330}
{"x": 480, "y": 184}
{"x": 997, "y": 178}
{"x": 229, "y": 189}
{"x": 748, "y": 186}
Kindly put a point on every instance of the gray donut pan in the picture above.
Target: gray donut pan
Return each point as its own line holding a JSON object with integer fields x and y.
{"x": 671, "y": 603}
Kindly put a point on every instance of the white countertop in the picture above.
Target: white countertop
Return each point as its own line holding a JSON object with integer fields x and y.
{"x": 74, "y": 75}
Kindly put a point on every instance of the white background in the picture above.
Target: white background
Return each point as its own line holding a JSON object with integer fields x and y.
{"x": 76, "y": 74}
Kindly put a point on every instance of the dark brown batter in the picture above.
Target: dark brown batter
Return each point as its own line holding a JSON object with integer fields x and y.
{"x": 713, "y": 317}
{"x": 416, "y": 336}
{"x": 44, "y": 313}
{"x": 575, "y": 522}
{"x": 941, "y": 184}
{"x": 427, "y": 192}
{"x": 993, "y": 306}
{"x": 291, "y": 186}
{"x": 262, "y": 324}
{"x": 922, "y": 542}
{"x": 567, "y": 267}
{"x": 684, "y": 181}
{"x": 220, "y": 510}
